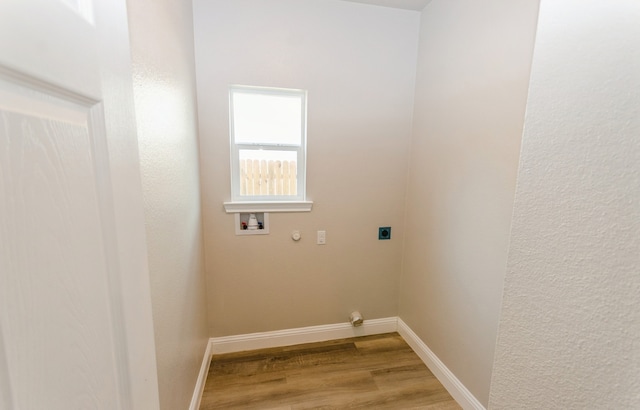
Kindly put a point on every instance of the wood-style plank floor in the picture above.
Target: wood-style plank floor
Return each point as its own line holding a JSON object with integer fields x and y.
{"x": 371, "y": 372}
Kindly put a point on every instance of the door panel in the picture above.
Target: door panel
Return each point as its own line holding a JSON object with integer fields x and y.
{"x": 75, "y": 316}
{"x": 51, "y": 41}
{"x": 54, "y": 286}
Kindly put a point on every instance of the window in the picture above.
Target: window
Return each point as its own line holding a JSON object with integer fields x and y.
{"x": 268, "y": 144}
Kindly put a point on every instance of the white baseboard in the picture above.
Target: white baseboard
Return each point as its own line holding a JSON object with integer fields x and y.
{"x": 446, "y": 377}
{"x": 301, "y": 335}
{"x": 202, "y": 378}
{"x": 290, "y": 337}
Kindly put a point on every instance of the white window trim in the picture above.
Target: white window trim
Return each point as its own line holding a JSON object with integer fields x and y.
{"x": 273, "y": 206}
{"x": 296, "y": 203}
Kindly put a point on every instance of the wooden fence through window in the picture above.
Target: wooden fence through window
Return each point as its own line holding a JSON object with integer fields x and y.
{"x": 262, "y": 177}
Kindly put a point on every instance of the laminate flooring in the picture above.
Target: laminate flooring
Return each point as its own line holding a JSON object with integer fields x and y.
{"x": 371, "y": 372}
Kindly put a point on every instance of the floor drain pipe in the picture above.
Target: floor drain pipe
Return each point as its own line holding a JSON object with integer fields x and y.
{"x": 356, "y": 319}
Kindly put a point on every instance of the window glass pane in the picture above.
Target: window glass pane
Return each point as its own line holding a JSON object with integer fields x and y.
{"x": 268, "y": 172}
{"x": 267, "y": 118}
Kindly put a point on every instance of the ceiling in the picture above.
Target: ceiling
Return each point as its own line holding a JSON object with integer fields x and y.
{"x": 417, "y": 5}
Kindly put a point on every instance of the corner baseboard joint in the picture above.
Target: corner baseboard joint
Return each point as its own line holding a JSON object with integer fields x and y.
{"x": 311, "y": 334}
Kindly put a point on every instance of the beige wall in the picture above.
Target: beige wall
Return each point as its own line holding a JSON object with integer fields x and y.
{"x": 164, "y": 92}
{"x": 358, "y": 64}
{"x": 570, "y": 325}
{"x": 473, "y": 72}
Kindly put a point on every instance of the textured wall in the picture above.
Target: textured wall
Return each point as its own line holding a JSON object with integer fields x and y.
{"x": 358, "y": 64}
{"x": 164, "y": 92}
{"x": 570, "y": 328}
{"x": 473, "y": 72}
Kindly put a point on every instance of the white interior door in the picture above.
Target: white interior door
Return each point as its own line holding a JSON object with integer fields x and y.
{"x": 75, "y": 318}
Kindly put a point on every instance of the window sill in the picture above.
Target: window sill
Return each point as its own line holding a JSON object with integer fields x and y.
{"x": 236, "y": 207}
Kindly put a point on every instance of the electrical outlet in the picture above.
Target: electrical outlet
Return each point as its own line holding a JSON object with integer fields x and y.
{"x": 384, "y": 232}
{"x": 322, "y": 237}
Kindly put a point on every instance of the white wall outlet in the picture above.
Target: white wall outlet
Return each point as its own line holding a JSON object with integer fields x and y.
{"x": 322, "y": 237}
